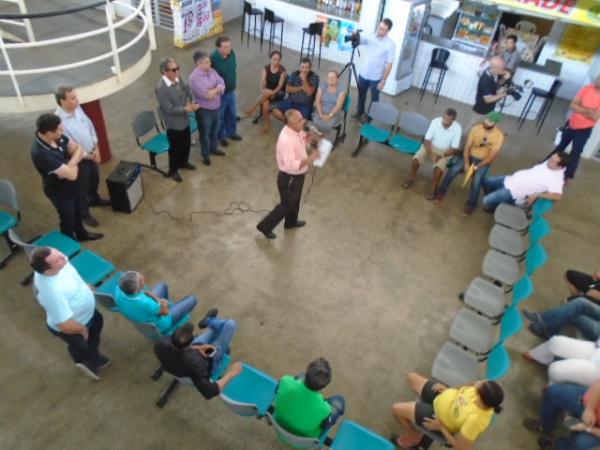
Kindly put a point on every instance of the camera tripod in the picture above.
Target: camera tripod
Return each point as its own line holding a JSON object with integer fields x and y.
{"x": 351, "y": 68}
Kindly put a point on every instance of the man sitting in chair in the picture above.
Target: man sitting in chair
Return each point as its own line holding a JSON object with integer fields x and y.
{"x": 200, "y": 357}
{"x": 144, "y": 306}
{"x": 302, "y": 86}
{"x": 300, "y": 407}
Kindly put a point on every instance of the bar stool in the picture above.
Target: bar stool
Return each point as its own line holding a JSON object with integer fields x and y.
{"x": 313, "y": 30}
{"x": 439, "y": 56}
{"x": 251, "y": 13}
{"x": 548, "y": 97}
{"x": 273, "y": 21}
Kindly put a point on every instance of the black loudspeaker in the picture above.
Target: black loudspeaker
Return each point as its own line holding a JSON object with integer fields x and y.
{"x": 125, "y": 186}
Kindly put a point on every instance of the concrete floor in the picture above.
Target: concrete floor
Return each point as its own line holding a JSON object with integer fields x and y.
{"x": 370, "y": 283}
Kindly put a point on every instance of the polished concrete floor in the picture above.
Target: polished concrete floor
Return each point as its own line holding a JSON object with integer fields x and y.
{"x": 370, "y": 283}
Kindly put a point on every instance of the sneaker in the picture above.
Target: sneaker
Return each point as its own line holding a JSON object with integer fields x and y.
{"x": 89, "y": 371}
{"x": 235, "y": 137}
{"x": 223, "y": 142}
{"x": 211, "y": 314}
{"x": 103, "y": 362}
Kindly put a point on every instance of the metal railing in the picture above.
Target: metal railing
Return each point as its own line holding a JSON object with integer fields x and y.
{"x": 112, "y": 25}
{"x": 26, "y": 23}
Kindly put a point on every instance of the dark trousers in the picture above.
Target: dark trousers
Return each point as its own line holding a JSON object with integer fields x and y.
{"x": 88, "y": 181}
{"x": 578, "y": 138}
{"x": 80, "y": 349}
{"x": 290, "y": 191}
{"x": 208, "y": 127}
{"x": 70, "y": 212}
{"x": 179, "y": 148}
{"x": 364, "y": 86}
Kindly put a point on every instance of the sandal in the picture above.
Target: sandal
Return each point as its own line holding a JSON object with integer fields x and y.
{"x": 405, "y": 441}
{"x": 407, "y": 184}
{"x": 430, "y": 196}
{"x": 532, "y": 425}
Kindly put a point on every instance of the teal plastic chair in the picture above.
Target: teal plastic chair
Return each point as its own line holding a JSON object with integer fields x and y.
{"x": 105, "y": 293}
{"x": 193, "y": 123}
{"x": 522, "y": 290}
{"x": 383, "y": 120}
{"x": 515, "y": 217}
{"x": 510, "y": 242}
{"x": 498, "y": 363}
{"x": 353, "y": 436}
{"x": 8, "y": 219}
{"x": 539, "y": 229}
{"x": 535, "y": 258}
{"x": 250, "y": 393}
{"x": 92, "y": 268}
{"x": 144, "y": 123}
{"x": 417, "y": 125}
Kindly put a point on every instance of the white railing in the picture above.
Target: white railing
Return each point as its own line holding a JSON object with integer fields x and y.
{"x": 134, "y": 12}
{"x": 26, "y": 23}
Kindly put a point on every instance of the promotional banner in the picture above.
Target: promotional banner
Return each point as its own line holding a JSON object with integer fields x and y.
{"x": 194, "y": 20}
{"x": 583, "y": 12}
{"x": 579, "y": 44}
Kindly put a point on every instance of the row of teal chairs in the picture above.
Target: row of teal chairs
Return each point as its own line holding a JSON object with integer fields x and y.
{"x": 384, "y": 120}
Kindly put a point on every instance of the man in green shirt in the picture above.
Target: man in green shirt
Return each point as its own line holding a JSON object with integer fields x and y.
{"x": 300, "y": 407}
{"x": 224, "y": 62}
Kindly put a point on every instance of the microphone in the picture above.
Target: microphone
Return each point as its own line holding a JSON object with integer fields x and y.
{"x": 312, "y": 128}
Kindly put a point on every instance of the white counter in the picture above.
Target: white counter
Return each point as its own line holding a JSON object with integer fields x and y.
{"x": 461, "y": 79}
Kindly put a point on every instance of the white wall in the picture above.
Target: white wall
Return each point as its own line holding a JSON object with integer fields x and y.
{"x": 232, "y": 9}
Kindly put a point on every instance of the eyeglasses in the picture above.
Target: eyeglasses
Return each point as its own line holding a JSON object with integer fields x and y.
{"x": 173, "y": 69}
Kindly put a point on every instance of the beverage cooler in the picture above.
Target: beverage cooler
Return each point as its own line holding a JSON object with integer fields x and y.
{"x": 409, "y": 18}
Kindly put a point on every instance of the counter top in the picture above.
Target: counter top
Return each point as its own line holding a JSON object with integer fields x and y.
{"x": 325, "y": 9}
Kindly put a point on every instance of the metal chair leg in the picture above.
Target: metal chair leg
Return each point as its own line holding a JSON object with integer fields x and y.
{"x": 438, "y": 86}
{"x": 526, "y": 109}
{"x": 302, "y": 44}
{"x": 424, "y": 85}
{"x": 281, "y": 38}
{"x": 164, "y": 397}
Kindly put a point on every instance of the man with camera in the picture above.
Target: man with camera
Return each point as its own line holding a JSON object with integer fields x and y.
{"x": 377, "y": 63}
{"x": 488, "y": 94}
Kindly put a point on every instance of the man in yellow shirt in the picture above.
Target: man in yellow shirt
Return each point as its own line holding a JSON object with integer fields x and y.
{"x": 460, "y": 413}
{"x": 481, "y": 149}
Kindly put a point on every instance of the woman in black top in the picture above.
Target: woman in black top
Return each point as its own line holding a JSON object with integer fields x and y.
{"x": 272, "y": 85}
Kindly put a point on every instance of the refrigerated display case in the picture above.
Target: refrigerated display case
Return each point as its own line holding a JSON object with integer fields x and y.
{"x": 476, "y": 27}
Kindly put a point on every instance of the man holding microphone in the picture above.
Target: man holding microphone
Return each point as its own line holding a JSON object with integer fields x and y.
{"x": 293, "y": 160}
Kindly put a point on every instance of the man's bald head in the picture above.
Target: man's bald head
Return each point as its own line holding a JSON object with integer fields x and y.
{"x": 496, "y": 65}
{"x": 294, "y": 119}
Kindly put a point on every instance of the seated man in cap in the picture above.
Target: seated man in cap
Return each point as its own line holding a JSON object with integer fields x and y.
{"x": 199, "y": 358}
{"x": 481, "y": 149}
{"x": 144, "y": 306}
{"x": 543, "y": 180}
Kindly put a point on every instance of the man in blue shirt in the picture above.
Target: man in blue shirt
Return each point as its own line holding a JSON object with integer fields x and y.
{"x": 376, "y": 65}
{"x": 144, "y": 306}
{"x": 70, "y": 308}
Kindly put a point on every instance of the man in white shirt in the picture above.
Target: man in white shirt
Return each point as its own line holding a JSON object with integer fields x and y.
{"x": 376, "y": 65}
{"x": 442, "y": 142}
{"x": 70, "y": 308}
{"x": 79, "y": 128}
{"x": 545, "y": 180}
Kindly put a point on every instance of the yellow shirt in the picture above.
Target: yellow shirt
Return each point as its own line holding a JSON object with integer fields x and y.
{"x": 485, "y": 141}
{"x": 457, "y": 411}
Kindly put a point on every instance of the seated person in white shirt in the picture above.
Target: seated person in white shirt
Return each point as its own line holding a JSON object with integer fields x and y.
{"x": 545, "y": 180}
{"x": 442, "y": 142}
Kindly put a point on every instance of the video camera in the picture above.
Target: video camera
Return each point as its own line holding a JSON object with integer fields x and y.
{"x": 514, "y": 90}
{"x": 353, "y": 38}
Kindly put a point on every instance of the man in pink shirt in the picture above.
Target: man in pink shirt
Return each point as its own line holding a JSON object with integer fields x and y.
{"x": 293, "y": 161}
{"x": 586, "y": 112}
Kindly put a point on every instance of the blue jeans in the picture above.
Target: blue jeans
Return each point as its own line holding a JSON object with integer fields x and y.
{"x": 178, "y": 310}
{"x": 580, "y": 312}
{"x": 219, "y": 334}
{"x": 228, "y": 116}
{"x": 338, "y": 404}
{"x": 208, "y": 127}
{"x": 578, "y": 138}
{"x": 495, "y": 192}
{"x": 459, "y": 167}
{"x": 365, "y": 85}
{"x": 566, "y": 397}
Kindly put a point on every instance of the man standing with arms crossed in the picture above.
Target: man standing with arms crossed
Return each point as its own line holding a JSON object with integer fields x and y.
{"x": 80, "y": 129}
{"x": 293, "y": 161}
{"x": 376, "y": 66}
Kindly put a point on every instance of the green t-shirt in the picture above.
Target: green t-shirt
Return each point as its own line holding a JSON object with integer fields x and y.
{"x": 226, "y": 67}
{"x": 298, "y": 409}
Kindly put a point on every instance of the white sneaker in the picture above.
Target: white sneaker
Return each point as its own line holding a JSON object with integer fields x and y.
{"x": 91, "y": 373}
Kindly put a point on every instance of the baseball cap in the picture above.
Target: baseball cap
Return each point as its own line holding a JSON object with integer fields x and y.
{"x": 494, "y": 116}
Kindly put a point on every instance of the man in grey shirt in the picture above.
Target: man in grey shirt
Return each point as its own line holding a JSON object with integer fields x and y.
{"x": 175, "y": 102}
{"x": 510, "y": 55}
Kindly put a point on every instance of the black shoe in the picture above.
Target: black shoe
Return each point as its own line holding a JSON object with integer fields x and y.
{"x": 223, "y": 142}
{"x": 268, "y": 234}
{"x": 236, "y": 137}
{"x": 89, "y": 236}
{"x": 91, "y": 372}
{"x": 206, "y": 161}
{"x": 212, "y": 313}
{"x": 299, "y": 224}
{"x": 100, "y": 202}
{"x": 357, "y": 116}
{"x": 188, "y": 166}
{"x": 461, "y": 296}
{"x": 176, "y": 177}
{"x": 103, "y": 362}
{"x": 218, "y": 153}
{"x": 90, "y": 220}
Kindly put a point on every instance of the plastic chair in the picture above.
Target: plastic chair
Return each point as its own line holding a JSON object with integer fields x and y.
{"x": 92, "y": 268}
{"x": 340, "y": 128}
{"x": 272, "y": 20}
{"x": 143, "y": 124}
{"x": 535, "y": 258}
{"x": 250, "y": 393}
{"x": 547, "y": 97}
{"x": 417, "y": 125}
{"x": 294, "y": 440}
{"x": 510, "y": 242}
{"x": 515, "y": 217}
{"x": 379, "y": 113}
{"x": 526, "y": 26}
{"x": 439, "y": 57}
{"x": 105, "y": 293}
{"x": 249, "y": 14}
{"x": 353, "y": 436}
{"x": 9, "y": 220}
